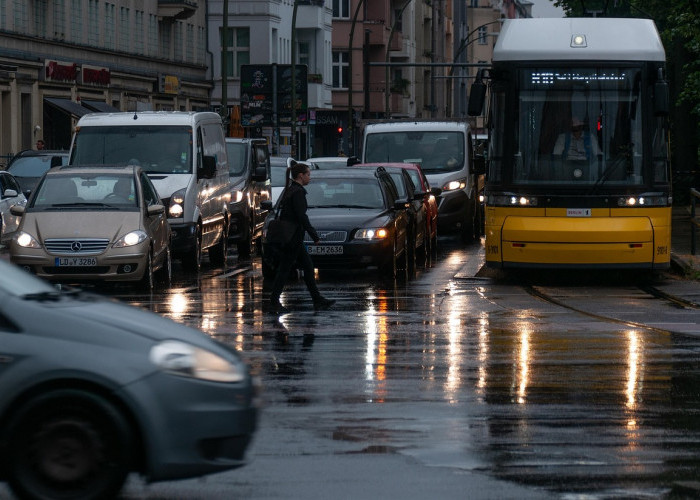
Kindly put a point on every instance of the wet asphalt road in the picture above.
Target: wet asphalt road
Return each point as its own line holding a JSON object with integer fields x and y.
{"x": 460, "y": 383}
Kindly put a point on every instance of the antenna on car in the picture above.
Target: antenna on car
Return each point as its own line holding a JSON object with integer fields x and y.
{"x": 135, "y": 117}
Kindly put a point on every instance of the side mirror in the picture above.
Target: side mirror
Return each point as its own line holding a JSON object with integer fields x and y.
{"x": 436, "y": 192}
{"x": 353, "y": 160}
{"x": 208, "y": 168}
{"x": 266, "y": 204}
{"x": 661, "y": 100}
{"x": 9, "y": 193}
{"x": 260, "y": 174}
{"x": 401, "y": 204}
{"x": 477, "y": 96}
{"x": 478, "y": 165}
{"x": 155, "y": 210}
{"x": 56, "y": 161}
{"x": 17, "y": 210}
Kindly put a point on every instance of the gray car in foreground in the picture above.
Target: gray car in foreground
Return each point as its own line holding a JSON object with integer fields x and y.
{"x": 92, "y": 389}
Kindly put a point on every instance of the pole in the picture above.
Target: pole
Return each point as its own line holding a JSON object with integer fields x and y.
{"x": 387, "y": 86}
{"x": 294, "y": 79}
{"x": 351, "y": 124}
{"x": 224, "y": 70}
{"x": 365, "y": 53}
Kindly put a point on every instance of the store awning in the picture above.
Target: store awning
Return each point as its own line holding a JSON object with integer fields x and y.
{"x": 68, "y": 106}
{"x": 99, "y": 106}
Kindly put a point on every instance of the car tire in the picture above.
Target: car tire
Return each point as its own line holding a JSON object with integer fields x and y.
{"x": 68, "y": 444}
{"x": 219, "y": 252}
{"x": 165, "y": 274}
{"x": 147, "y": 280}
{"x": 245, "y": 247}
{"x": 390, "y": 270}
{"x": 192, "y": 260}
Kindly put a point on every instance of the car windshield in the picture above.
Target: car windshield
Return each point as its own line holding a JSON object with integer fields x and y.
{"x": 31, "y": 166}
{"x": 158, "y": 149}
{"x": 277, "y": 177}
{"x": 435, "y": 152}
{"x": 344, "y": 193}
{"x": 16, "y": 281}
{"x": 102, "y": 190}
{"x": 236, "y": 153}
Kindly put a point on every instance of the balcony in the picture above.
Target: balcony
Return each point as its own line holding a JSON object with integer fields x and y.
{"x": 177, "y": 9}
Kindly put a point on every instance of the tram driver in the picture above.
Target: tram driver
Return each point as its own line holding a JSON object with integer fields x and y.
{"x": 578, "y": 149}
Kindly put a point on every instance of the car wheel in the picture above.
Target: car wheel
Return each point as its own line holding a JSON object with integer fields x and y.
{"x": 193, "y": 259}
{"x": 165, "y": 275}
{"x": 469, "y": 226}
{"x": 245, "y": 247}
{"x": 390, "y": 270}
{"x": 434, "y": 247}
{"x": 147, "y": 280}
{"x": 402, "y": 265}
{"x": 68, "y": 444}
{"x": 219, "y": 252}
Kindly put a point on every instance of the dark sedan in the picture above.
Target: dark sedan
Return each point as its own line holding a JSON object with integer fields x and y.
{"x": 28, "y": 166}
{"x": 361, "y": 220}
{"x": 92, "y": 389}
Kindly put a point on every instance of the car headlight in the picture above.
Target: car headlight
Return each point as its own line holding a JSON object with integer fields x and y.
{"x": 454, "y": 185}
{"x": 187, "y": 360}
{"x": 26, "y": 240}
{"x": 378, "y": 233}
{"x": 177, "y": 203}
{"x": 130, "y": 239}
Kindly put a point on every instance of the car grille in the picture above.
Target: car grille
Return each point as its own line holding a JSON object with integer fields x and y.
{"x": 329, "y": 236}
{"x": 76, "y": 270}
{"x": 72, "y": 246}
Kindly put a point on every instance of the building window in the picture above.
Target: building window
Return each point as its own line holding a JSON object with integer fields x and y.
{"x": 340, "y": 69}
{"x": 40, "y": 18}
{"x": 93, "y": 23}
{"x": 109, "y": 25}
{"x": 177, "y": 40}
{"x": 483, "y": 35}
{"x": 474, "y": 3}
{"x": 201, "y": 45}
{"x": 341, "y": 9}
{"x": 398, "y": 20}
{"x": 59, "y": 19}
{"x": 164, "y": 34}
{"x": 190, "y": 43}
{"x": 124, "y": 32}
{"x": 138, "y": 32}
{"x": 237, "y": 43}
{"x": 303, "y": 54}
{"x": 19, "y": 11}
{"x": 76, "y": 22}
{"x": 153, "y": 34}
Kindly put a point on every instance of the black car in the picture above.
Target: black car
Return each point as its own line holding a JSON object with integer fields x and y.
{"x": 28, "y": 166}
{"x": 418, "y": 229}
{"x": 361, "y": 220}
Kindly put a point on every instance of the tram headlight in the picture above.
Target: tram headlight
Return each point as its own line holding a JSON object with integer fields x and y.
{"x": 454, "y": 185}
{"x": 644, "y": 200}
{"x": 511, "y": 200}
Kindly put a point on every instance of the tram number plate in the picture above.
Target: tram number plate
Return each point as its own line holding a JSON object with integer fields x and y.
{"x": 75, "y": 261}
{"x": 325, "y": 249}
{"x": 578, "y": 212}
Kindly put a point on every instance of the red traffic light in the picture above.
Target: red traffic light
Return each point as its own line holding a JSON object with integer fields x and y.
{"x": 340, "y": 130}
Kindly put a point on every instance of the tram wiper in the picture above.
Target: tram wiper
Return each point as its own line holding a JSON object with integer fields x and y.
{"x": 609, "y": 170}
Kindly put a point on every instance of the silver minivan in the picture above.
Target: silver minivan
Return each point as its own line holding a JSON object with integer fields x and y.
{"x": 184, "y": 155}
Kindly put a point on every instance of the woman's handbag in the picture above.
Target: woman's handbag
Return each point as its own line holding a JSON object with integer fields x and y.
{"x": 280, "y": 231}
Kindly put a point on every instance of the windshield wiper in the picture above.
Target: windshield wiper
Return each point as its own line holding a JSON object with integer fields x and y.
{"x": 82, "y": 204}
{"x": 43, "y": 296}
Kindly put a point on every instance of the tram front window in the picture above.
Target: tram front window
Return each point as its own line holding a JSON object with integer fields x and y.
{"x": 579, "y": 126}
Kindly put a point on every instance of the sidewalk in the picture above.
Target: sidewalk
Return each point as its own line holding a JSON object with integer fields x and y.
{"x": 682, "y": 261}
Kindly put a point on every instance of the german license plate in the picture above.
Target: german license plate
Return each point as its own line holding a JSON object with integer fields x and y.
{"x": 325, "y": 249}
{"x": 75, "y": 261}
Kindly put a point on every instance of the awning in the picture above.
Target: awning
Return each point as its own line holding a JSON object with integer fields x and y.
{"x": 100, "y": 106}
{"x": 68, "y": 106}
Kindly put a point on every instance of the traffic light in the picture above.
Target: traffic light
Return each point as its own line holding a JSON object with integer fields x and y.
{"x": 339, "y": 130}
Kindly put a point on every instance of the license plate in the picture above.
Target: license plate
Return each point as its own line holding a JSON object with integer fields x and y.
{"x": 75, "y": 261}
{"x": 325, "y": 249}
{"x": 578, "y": 212}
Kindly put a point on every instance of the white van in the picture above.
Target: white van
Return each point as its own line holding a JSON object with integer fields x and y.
{"x": 444, "y": 151}
{"x": 184, "y": 154}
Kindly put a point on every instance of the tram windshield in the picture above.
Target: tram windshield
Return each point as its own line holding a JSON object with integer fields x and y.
{"x": 577, "y": 126}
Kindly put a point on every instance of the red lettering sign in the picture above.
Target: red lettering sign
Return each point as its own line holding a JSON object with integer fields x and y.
{"x": 58, "y": 72}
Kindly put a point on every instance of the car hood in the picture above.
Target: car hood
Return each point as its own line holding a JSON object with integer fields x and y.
{"x": 81, "y": 224}
{"x": 347, "y": 218}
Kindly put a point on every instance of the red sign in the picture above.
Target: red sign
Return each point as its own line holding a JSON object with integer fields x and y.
{"x": 93, "y": 75}
{"x": 60, "y": 72}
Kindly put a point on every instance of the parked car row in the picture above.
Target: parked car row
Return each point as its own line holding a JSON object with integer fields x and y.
{"x": 369, "y": 216}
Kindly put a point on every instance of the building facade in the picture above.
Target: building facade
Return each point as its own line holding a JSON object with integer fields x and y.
{"x": 60, "y": 59}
